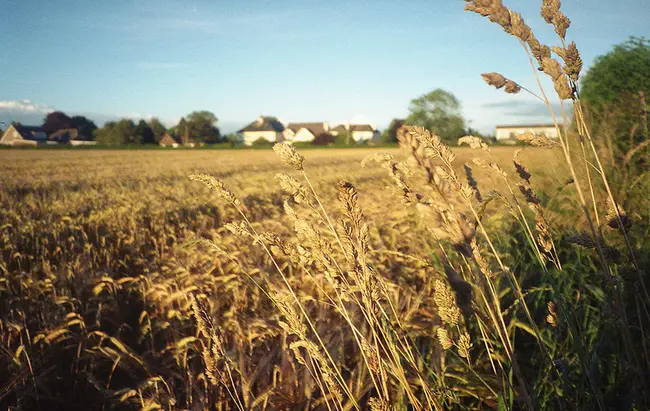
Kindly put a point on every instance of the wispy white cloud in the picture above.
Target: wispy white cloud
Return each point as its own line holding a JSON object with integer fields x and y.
{"x": 188, "y": 20}
{"x": 24, "y": 106}
{"x": 522, "y": 109}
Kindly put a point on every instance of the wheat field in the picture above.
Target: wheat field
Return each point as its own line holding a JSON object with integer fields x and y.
{"x": 100, "y": 254}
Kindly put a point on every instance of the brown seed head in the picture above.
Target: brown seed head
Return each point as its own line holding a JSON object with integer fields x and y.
{"x": 519, "y": 28}
{"x": 216, "y": 185}
{"x": 549, "y": 9}
{"x": 573, "y": 62}
{"x": 539, "y": 51}
{"x": 612, "y": 216}
{"x": 512, "y": 87}
{"x": 473, "y": 142}
{"x": 582, "y": 239}
{"x": 562, "y": 88}
{"x": 562, "y": 24}
{"x": 552, "y": 67}
{"x": 537, "y": 141}
{"x": 494, "y": 79}
{"x": 443, "y": 338}
{"x": 464, "y": 345}
{"x": 446, "y": 302}
{"x": 293, "y": 188}
{"x": 289, "y": 155}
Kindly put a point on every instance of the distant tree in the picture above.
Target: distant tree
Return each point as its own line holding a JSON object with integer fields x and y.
{"x": 202, "y": 127}
{"x": 323, "y": 139}
{"x": 157, "y": 128}
{"x": 144, "y": 134}
{"x": 439, "y": 112}
{"x": 107, "y": 135}
{"x": 55, "y": 121}
{"x": 344, "y": 137}
{"x": 390, "y": 134}
{"x": 182, "y": 128}
{"x": 616, "y": 92}
{"x": 472, "y": 132}
{"x": 117, "y": 133}
{"x": 85, "y": 126}
{"x": 233, "y": 138}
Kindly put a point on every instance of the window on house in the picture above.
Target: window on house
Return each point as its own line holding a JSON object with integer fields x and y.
{"x": 513, "y": 135}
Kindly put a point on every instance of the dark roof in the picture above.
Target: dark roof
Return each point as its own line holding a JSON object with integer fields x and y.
{"x": 525, "y": 125}
{"x": 27, "y": 132}
{"x": 361, "y": 127}
{"x": 264, "y": 124}
{"x": 353, "y": 127}
{"x": 315, "y": 128}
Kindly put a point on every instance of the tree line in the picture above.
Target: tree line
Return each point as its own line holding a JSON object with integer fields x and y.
{"x": 198, "y": 127}
{"x": 615, "y": 91}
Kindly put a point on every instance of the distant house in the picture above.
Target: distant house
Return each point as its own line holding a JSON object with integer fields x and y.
{"x": 169, "y": 140}
{"x": 304, "y": 132}
{"x": 510, "y": 132}
{"x": 17, "y": 135}
{"x": 267, "y": 128}
{"x": 358, "y": 132}
{"x": 70, "y": 136}
{"x": 64, "y": 135}
{"x": 82, "y": 143}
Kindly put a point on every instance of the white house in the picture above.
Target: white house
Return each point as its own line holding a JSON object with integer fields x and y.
{"x": 24, "y": 135}
{"x": 358, "y": 132}
{"x": 510, "y": 132}
{"x": 267, "y": 128}
{"x": 304, "y": 132}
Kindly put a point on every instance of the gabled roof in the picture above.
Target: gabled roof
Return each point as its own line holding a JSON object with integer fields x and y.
{"x": 30, "y": 132}
{"x": 526, "y": 126}
{"x": 315, "y": 128}
{"x": 353, "y": 127}
{"x": 168, "y": 139}
{"x": 361, "y": 127}
{"x": 264, "y": 124}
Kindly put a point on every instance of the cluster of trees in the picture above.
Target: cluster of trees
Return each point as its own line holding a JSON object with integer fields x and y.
{"x": 616, "y": 92}
{"x": 197, "y": 127}
{"x": 438, "y": 111}
{"x": 57, "y": 121}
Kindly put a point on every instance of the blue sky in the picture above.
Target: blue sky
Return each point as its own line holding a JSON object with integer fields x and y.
{"x": 298, "y": 60}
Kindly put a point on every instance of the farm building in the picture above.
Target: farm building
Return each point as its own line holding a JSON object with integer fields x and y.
{"x": 358, "y": 132}
{"x": 304, "y": 132}
{"x": 510, "y": 132}
{"x": 70, "y": 136}
{"x": 17, "y": 135}
{"x": 169, "y": 140}
{"x": 267, "y": 128}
